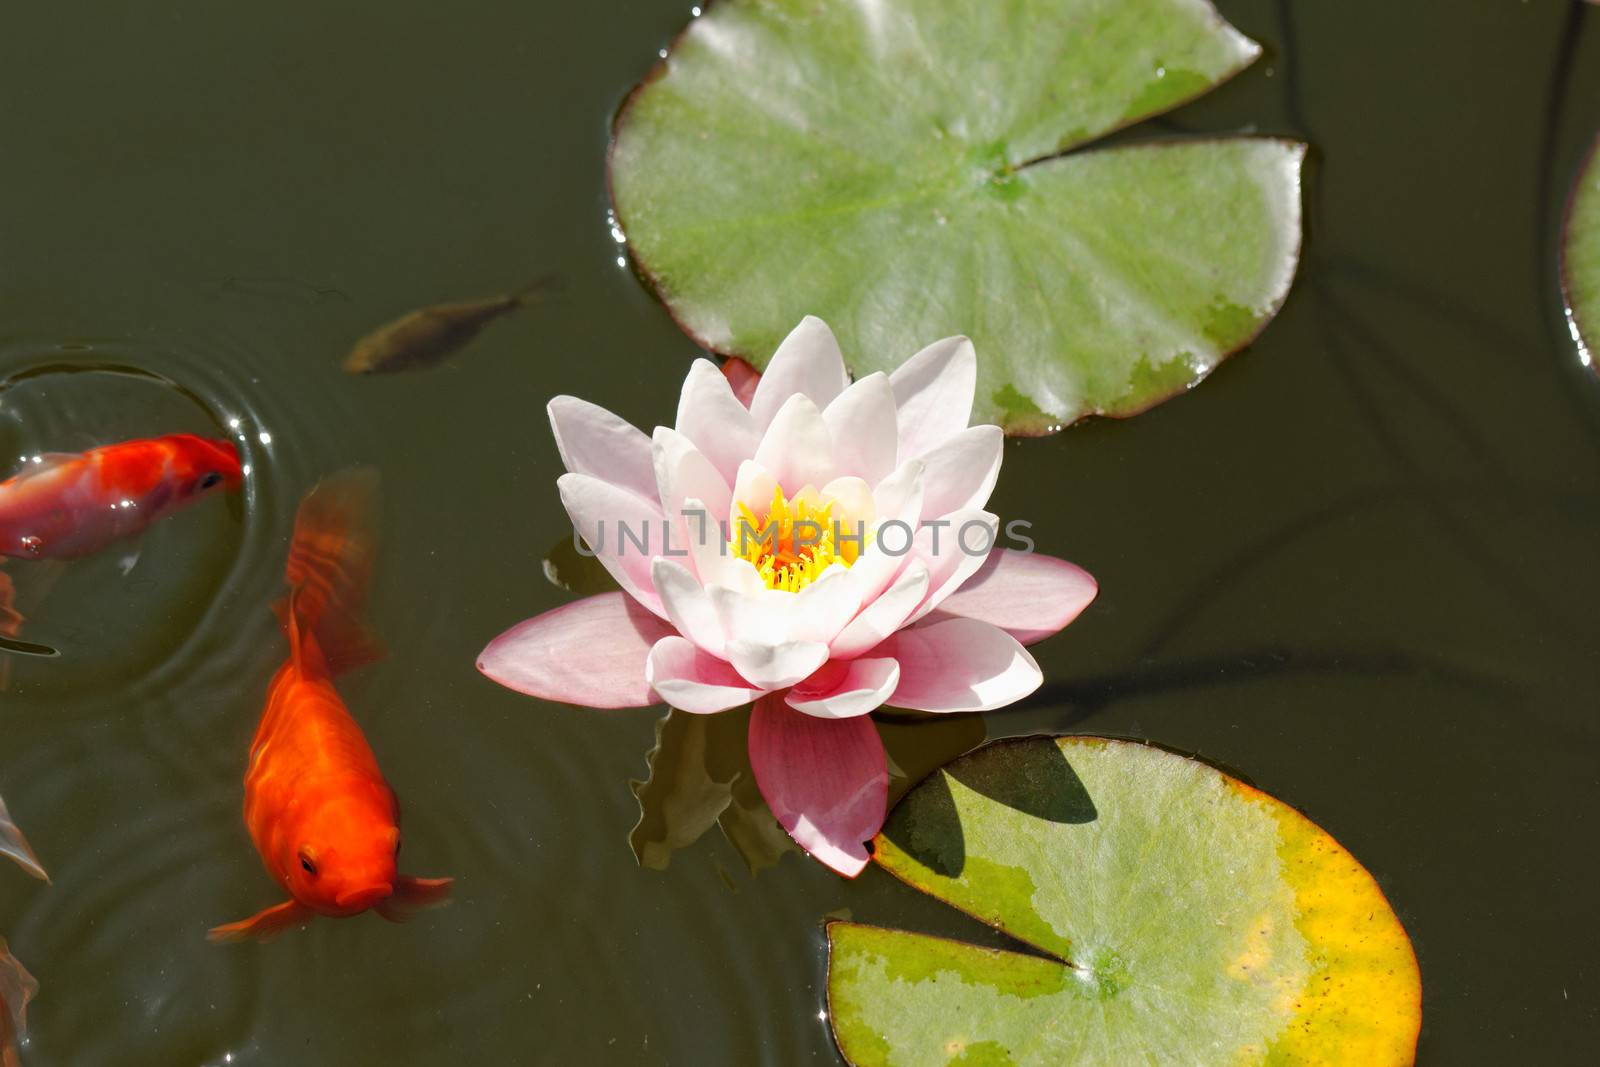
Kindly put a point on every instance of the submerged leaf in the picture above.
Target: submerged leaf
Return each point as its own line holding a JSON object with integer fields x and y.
{"x": 576, "y": 571}
{"x": 699, "y": 776}
{"x": 1176, "y": 916}
{"x": 897, "y": 167}
{"x": 1580, "y": 260}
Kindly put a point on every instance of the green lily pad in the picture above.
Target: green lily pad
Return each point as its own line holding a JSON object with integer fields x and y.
{"x": 1174, "y": 915}
{"x": 1580, "y": 261}
{"x": 905, "y": 170}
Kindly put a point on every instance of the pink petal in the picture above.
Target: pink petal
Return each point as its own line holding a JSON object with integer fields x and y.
{"x": 807, "y": 362}
{"x": 826, "y": 780}
{"x": 590, "y": 652}
{"x": 742, "y": 377}
{"x": 1028, "y": 595}
{"x": 933, "y": 393}
{"x": 692, "y": 680}
{"x": 862, "y": 422}
{"x": 797, "y": 448}
{"x": 593, "y": 441}
{"x": 712, "y": 417}
{"x": 959, "y": 665}
{"x": 844, "y": 689}
{"x": 616, "y": 522}
{"x": 962, "y": 471}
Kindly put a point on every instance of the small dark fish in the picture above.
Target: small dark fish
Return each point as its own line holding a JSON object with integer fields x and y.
{"x": 432, "y": 334}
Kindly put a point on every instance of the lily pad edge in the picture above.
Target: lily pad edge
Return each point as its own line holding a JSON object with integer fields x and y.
{"x": 1585, "y": 336}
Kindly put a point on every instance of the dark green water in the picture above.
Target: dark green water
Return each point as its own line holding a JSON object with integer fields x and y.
{"x": 1358, "y": 564}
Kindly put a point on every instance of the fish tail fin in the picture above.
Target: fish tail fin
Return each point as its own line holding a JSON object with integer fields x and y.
{"x": 329, "y": 570}
{"x": 14, "y": 845}
{"x": 17, "y": 989}
{"x": 540, "y": 287}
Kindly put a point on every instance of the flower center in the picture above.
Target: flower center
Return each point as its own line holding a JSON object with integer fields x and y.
{"x": 795, "y": 541}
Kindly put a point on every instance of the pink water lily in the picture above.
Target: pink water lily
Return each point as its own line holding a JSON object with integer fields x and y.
{"x": 820, "y": 553}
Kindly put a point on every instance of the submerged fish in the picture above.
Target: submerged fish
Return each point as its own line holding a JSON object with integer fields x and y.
{"x": 321, "y": 814}
{"x": 66, "y": 506}
{"x": 17, "y": 988}
{"x": 13, "y": 844}
{"x": 429, "y": 335}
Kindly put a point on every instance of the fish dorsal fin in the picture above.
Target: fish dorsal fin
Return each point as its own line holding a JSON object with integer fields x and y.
{"x": 44, "y": 462}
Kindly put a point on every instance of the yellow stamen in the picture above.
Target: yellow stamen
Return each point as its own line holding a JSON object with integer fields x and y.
{"x": 794, "y": 542}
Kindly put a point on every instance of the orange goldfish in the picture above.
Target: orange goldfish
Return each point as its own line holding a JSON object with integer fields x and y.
{"x": 321, "y": 814}
{"x": 66, "y": 506}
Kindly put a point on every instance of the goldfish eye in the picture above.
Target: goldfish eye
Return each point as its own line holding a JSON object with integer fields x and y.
{"x": 307, "y": 865}
{"x": 210, "y": 480}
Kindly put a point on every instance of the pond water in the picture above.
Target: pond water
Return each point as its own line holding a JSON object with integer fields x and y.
{"x": 1357, "y": 564}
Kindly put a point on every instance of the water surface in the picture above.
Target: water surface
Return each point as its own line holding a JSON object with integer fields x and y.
{"x": 1357, "y": 564}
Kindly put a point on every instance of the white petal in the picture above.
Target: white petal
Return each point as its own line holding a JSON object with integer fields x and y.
{"x": 865, "y": 436}
{"x": 616, "y": 522}
{"x": 593, "y": 441}
{"x": 953, "y": 552}
{"x": 693, "y": 680}
{"x": 711, "y": 561}
{"x": 961, "y": 472}
{"x": 776, "y": 666}
{"x": 808, "y": 362}
{"x": 933, "y": 393}
{"x": 687, "y": 605}
{"x": 797, "y": 448}
{"x": 822, "y": 608}
{"x": 898, "y": 498}
{"x": 753, "y": 489}
{"x": 683, "y": 474}
{"x": 853, "y": 503}
{"x": 960, "y": 665}
{"x": 884, "y": 615}
{"x": 682, "y": 471}
{"x": 712, "y": 417}
{"x": 845, "y": 690}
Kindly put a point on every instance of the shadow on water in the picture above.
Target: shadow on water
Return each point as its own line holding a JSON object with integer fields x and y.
{"x": 1041, "y": 786}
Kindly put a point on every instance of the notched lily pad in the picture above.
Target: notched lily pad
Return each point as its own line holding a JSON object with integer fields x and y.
{"x": 1580, "y": 259}
{"x": 906, "y": 170}
{"x": 1171, "y": 913}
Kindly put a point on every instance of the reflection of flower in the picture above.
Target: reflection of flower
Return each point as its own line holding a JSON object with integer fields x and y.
{"x": 846, "y": 564}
